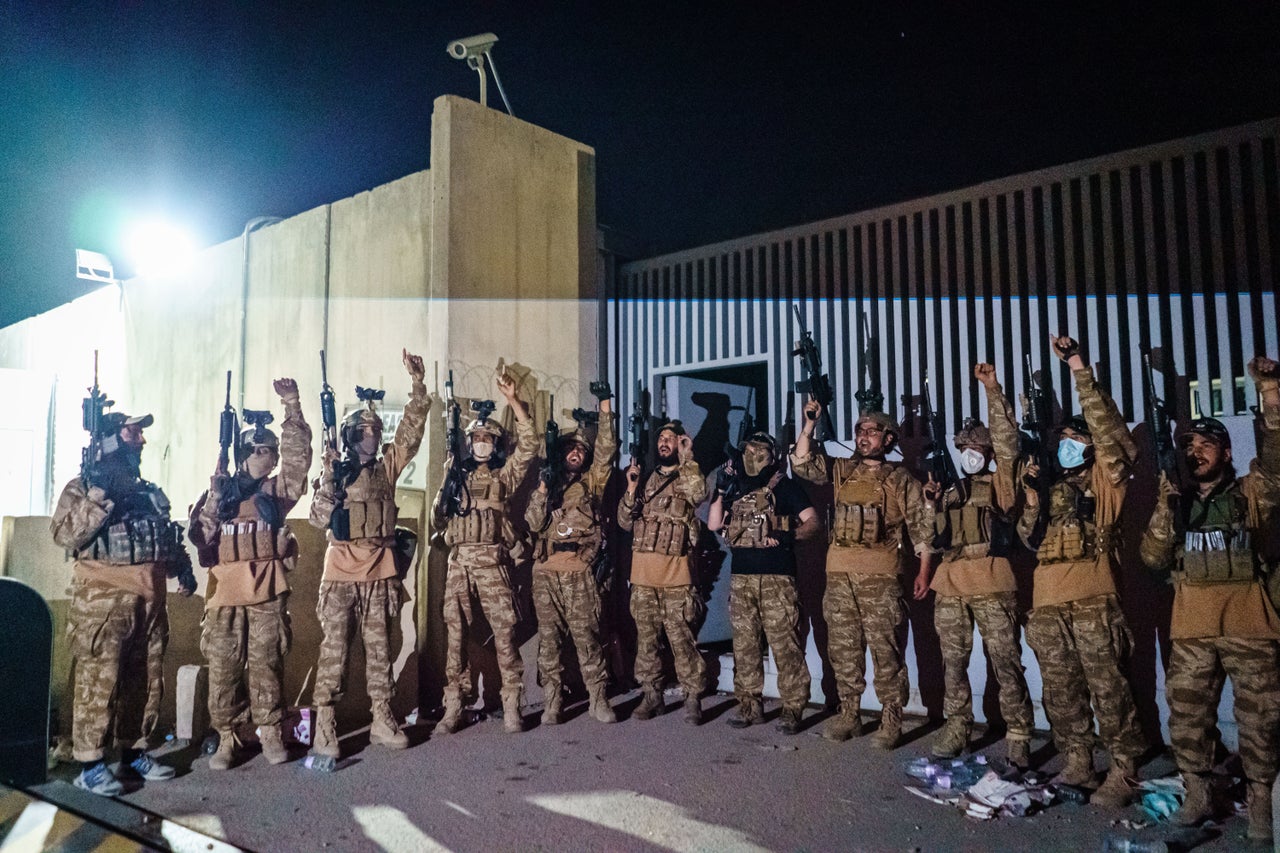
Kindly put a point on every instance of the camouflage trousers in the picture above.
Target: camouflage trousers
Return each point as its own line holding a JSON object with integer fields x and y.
{"x": 996, "y": 615}
{"x": 1082, "y": 647}
{"x": 117, "y": 641}
{"x": 864, "y": 611}
{"x": 1197, "y": 670}
{"x": 567, "y": 603}
{"x": 490, "y": 586}
{"x": 767, "y": 607}
{"x": 246, "y": 643}
{"x": 672, "y": 610}
{"x": 372, "y": 607}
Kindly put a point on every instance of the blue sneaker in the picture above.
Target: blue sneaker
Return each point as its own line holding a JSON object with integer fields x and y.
{"x": 146, "y": 767}
{"x": 99, "y": 780}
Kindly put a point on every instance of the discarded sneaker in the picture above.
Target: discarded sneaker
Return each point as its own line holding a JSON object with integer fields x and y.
{"x": 150, "y": 770}
{"x": 789, "y": 721}
{"x": 746, "y": 714}
{"x": 98, "y": 779}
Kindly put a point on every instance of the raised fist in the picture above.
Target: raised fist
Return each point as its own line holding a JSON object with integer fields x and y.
{"x": 985, "y": 373}
{"x": 413, "y": 364}
{"x": 1261, "y": 367}
{"x": 286, "y": 389}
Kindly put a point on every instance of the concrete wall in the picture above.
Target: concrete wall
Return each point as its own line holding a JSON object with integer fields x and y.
{"x": 489, "y": 254}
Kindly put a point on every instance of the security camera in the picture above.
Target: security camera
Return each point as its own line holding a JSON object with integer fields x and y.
{"x": 472, "y": 46}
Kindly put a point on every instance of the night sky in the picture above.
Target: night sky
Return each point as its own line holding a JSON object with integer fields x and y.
{"x": 709, "y": 120}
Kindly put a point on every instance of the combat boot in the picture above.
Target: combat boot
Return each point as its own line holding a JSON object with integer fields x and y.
{"x": 1017, "y": 751}
{"x": 890, "y": 731}
{"x": 551, "y": 710}
{"x": 1197, "y": 806}
{"x": 512, "y": 721}
{"x": 452, "y": 716}
{"x": 789, "y": 721}
{"x": 600, "y": 709}
{"x": 650, "y": 706}
{"x": 748, "y": 713}
{"x": 953, "y": 740}
{"x": 843, "y": 726}
{"x": 325, "y": 740}
{"x": 1078, "y": 770}
{"x": 692, "y": 709}
{"x": 1258, "y": 798}
{"x": 1116, "y": 792}
{"x": 385, "y": 730}
{"x": 272, "y": 745}
{"x": 225, "y": 756}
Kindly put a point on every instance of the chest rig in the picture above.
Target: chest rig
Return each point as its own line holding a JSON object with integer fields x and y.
{"x": 137, "y": 531}
{"x": 575, "y": 525}
{"x": 1217, "y": 547}
{"x": 858, "y": 516}
{"x": 371, "y": 504}
{"x": 484, "y": 523}
{"x": 976, "y": 527}
{"x": 666, "y": 524}
{"x": 754, "y": 517}
{"x": 249, "y": 536}
{"x": 1072, "y": 533}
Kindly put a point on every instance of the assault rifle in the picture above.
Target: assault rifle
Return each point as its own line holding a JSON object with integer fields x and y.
{"x": 638, "y": 442}
{"x": 816, "y": 384}
{"x": 942, "y": 468}
{"x": 227, "y": 429}
{"x": 339, "y": 519}
{"x": 870, "y": 398}
{"x": 602, "y": 392}
{"x": 92, "y": 411}
{"x": 1157, "y": 417}
{"x": 1036, "y": 419}
{"x": 734, "y": 450}
{"x": 454, "y": 496}
{"x": 551, "y": 462}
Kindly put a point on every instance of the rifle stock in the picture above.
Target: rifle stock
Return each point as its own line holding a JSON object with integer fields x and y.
{"x": 816, "y": 384}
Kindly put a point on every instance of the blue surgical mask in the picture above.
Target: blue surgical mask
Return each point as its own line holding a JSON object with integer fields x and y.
{"x": 1071, "y": 453}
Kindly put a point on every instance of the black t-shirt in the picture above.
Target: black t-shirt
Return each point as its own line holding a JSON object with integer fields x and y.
{"x": 789, "y": 499}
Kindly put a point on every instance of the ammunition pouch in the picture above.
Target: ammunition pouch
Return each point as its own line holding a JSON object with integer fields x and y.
{"x": 855, "y": 525}
{"x": 372, "y": 519}
{"x": 1069, "y": 540}
{"x": 136, "y": 540}
{"x": 1217, "y": 556}
{"x": 976, "y": 531}
{"x": 250, "y": 539}
{"x": 753, "y": 518}
{"x": 661, "y": 535}
{"x": 483, "y": 525}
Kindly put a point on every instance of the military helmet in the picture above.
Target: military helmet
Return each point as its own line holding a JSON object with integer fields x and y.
{"x": 1210, "y": 428}
{"x": 576, "y": 437}
{"x": 253, "y": 437}
{"x": 884, "y": 419}
{"x": 1076, "y": 423}
{"x": 353, "y": 422}
{"x": 762, "y": 437}
{"x": 487, "y": 425}
{"x": 973, "y": 433}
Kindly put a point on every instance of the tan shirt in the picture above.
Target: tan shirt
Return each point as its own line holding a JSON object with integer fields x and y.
{"x": 665, "y": 570}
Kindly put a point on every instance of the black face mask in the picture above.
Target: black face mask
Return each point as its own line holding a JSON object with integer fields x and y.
{"x": 120, "y": 471}
{"x": 240, "y": 488}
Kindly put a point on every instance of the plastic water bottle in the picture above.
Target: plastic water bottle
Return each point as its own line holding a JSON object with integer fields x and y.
{"x": 1126, "y": 844}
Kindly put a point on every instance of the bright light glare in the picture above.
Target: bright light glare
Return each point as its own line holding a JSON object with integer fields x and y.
{"x": 159, "y": 248}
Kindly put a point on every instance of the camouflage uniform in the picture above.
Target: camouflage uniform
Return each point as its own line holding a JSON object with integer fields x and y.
{"x": 250, "y": 551}
{"x": 876, "y": 508}
{"x": 762, "y": 595}
{"x": 361, "y": 587}
{"x": 1076, "y": 627}
{"x": 124, "y": 547}
{"x": 975, "y": 583}
{"x": 663, "y": 598}
{"x": 479, "y": 566}
{"x": 1223, "y": 621}
{"x": 565, "y": 597}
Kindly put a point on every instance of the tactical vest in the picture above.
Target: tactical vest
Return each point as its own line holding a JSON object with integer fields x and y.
{"x": 249, "y": 537}
{"x": 484, "y": 523}
{"x": 858, "y": 516}
{"x": 574, "y": 525}
{"x": 1072, "y": 534}
{"x": 139, "y": 531}
{"x": 666, "y": 524}
{"x": 754, "y": 517}
{"x": 976, "y": 528}
{"x": 1217, "y": 547}
{"x": 371, "y": 504}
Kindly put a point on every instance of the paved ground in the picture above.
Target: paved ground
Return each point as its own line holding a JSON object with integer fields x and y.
{"x": 648, "y": 786}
